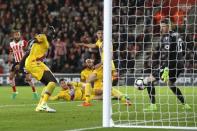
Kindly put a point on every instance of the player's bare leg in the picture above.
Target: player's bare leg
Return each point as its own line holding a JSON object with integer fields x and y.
{"x": 31, "y": 83}
{"x": 12, "y": 83}
{"x": 98, "y": 94}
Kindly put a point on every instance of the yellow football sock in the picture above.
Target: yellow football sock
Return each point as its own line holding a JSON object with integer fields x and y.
{"x": 87, "y": 92}
{"x": 54, "y": 98}
{"x": 116, "y": 93}
{"x": 40, "y": 101}
{"x": 50, "y": 87}
{"x": 43, "y": 91}
{"x": 45, "y": 98}
{"x": 123, "y": 99}
{"x": 47, "y": 91}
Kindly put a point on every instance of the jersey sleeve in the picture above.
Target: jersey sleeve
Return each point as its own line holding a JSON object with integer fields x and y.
{"x": 10, "y": 49}
{"x": 25, "y": 44}
{"x": 97, "y": 44}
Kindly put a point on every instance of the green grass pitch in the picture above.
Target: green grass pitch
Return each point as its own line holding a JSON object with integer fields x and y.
{"x": 19, "y": 114}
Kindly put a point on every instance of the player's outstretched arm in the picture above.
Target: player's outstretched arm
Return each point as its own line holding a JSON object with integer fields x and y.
{"x": 87, "y": 45}
{"x": 98, "y": 65}
{"x": 54, "y": 98}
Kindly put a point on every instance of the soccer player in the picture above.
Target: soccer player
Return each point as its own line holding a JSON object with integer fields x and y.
{"x": 89, "y": 68}
{"x": 97, "y": 85}
{"x": 35, "y": 66}
{"x": 69, "y": 91}
{"x": 97, "y": 74}
{"x": 17, "y": 49}
{"x": 169, "y": 58}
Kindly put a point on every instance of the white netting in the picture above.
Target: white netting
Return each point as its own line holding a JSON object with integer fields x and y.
{"x": 136, "y": 32}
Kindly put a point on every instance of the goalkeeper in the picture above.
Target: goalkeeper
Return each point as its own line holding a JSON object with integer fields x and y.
{"x": 169, "y": 58}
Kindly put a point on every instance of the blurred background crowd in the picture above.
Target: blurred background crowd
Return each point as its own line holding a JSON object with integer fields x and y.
{"x": 134, "y": 27}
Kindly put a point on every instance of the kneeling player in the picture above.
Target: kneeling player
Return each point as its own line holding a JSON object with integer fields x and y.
{"x": 93, "y": 75}
{"x": 35, "y": 66}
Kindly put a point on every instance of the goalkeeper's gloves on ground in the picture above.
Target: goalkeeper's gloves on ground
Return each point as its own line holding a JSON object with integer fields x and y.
{"x": 165, "y": 75}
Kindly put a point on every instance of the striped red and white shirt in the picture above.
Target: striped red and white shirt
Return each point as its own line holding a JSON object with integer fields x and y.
{"x": 18, "y": 49}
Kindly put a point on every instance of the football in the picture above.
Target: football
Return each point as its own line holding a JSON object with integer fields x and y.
{"x": 139, "y": 84}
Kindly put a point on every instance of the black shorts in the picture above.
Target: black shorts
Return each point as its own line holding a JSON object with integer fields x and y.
{"x": 173, "y": 74}
{"x": 17, "y": 71}
{"x": 48, "y": 77}
{"x": 22, "y": 62}
{"x": 13, "y": 66}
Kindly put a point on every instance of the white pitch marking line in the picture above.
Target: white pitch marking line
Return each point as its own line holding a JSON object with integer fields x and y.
{"x": 84, "y": 129}
{"x": 22, "y": 105}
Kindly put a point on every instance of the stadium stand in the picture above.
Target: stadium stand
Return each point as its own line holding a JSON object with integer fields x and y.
{"x": 77, "y": 22}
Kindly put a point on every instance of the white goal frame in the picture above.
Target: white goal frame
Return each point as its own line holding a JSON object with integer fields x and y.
{"x": 107, "y": 81}
{"x": 107, "y": 45}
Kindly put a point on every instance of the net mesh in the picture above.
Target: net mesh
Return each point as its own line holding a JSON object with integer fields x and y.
{"x": 136, "y": 33}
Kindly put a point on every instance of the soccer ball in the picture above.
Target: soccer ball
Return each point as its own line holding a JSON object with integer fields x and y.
{"x": 139, "y": 84}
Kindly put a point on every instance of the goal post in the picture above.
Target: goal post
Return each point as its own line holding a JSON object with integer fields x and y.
{"x": 107, "y": 45}
{"x": 133, "y": 26}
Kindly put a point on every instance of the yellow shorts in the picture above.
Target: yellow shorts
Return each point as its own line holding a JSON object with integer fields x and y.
{"x": 36, "y": 69}
{"x": 78, "y": 94}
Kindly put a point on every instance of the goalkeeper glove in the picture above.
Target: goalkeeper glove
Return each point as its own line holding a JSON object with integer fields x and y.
{"x": 165, "y": 75}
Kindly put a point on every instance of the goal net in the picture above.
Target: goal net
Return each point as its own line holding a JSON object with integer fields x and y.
{"x": 135, "y": 34}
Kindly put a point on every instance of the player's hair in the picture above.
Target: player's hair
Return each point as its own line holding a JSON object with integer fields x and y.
{"x": 100, "y": 28}
{"x": 15, "y": 30}
{"x": 167, "y": 22}
{"x": 62, "y": 79}
{"x": 51, "y": 34}
{"x": 88, "y": 59}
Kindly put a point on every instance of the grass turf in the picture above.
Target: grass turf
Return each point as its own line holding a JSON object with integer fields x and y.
{"x": 19, "y": 114}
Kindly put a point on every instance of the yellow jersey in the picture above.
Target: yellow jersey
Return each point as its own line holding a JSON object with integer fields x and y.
{"x": 85, "y": 73}
{"x": 33, "y": 63}
{"x": 39, "y": 49}
{"x": 99, "y": 44}
{"x": 98, "y": 83}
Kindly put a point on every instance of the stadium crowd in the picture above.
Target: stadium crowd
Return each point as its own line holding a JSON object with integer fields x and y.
{"x": 76, "y": 21}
